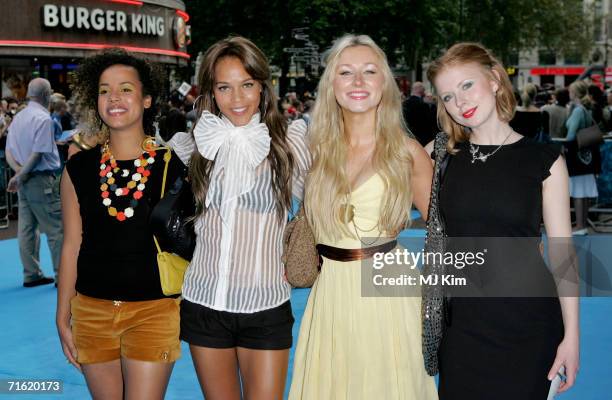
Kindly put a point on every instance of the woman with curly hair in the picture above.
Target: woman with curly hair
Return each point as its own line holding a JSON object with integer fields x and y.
{"x": 114, "y": 322}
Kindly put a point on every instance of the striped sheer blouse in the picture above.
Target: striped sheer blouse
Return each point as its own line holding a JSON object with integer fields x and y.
{"x": 240, "y": 270}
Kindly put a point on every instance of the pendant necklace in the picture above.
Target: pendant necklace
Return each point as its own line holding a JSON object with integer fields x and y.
{"x": 480, "y": 156}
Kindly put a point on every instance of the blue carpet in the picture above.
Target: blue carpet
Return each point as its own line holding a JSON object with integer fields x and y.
{"x": 30, "y": 347}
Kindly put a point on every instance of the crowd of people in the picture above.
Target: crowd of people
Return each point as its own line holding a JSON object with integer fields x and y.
{"x": 558, "y": 115}
{"x": 551, "y": 108}
{"x": 357, "y": 157}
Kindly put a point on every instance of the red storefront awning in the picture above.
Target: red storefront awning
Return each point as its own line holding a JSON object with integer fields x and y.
{"x": 557, "y": 70}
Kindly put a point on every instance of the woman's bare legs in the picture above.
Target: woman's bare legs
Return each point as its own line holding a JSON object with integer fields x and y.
{"x": 145, "y": 380}
{"x": 104, "y": 380}
{"x": 263, "y": 373}
{"x": 217, "y": 371}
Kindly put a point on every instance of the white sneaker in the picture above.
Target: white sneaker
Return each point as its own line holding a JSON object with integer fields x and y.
{"x": 580, "y": 232}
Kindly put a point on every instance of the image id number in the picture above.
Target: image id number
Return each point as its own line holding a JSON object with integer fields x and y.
{"x": 15, "y": 386}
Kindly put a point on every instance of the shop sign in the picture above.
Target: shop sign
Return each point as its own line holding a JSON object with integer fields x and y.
{"x": 70, "y": 17}
{"x": 557, "y": 71}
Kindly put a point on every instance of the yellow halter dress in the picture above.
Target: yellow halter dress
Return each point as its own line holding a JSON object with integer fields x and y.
{"x": 353, "y": 347}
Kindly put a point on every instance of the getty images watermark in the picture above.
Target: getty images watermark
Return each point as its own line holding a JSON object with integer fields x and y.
{"x": 493, "y": 267}
{"x": 411, "y": 260}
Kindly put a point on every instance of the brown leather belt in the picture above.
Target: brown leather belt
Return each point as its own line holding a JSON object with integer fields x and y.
{"x": 339, "y": 254}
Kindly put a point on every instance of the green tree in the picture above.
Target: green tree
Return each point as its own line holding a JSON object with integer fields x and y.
{"x": 409, "y": 31}
{"x": 402, "y": 28}
{"x": 406, "y": 30}
{"x": 262, "y": 21}
{"x": 507, "y": 26}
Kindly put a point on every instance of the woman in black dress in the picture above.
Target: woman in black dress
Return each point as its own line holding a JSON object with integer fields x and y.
{"x": 499, "y": 183}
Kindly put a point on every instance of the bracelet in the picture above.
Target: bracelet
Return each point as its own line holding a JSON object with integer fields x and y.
{"x": 79, "y": 142}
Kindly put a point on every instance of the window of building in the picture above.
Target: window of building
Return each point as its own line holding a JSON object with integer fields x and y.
{"x": 547, "y": 57}
{"x": 573, "y": 58}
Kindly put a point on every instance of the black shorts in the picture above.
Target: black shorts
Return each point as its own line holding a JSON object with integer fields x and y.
{"x": 262, "y": 330}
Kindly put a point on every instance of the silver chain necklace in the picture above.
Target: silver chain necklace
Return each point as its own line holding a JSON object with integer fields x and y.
{"x": 480, "y": 156}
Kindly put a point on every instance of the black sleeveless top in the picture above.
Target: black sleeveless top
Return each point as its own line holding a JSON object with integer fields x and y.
{"x": 118, "y": 260}
{"x": 501, "y": 197}
{"x": 497, "y": 206}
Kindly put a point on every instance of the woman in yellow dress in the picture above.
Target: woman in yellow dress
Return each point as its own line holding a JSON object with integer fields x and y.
{"x": 366, "y": 175}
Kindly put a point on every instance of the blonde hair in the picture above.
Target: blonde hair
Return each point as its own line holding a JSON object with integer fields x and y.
{"x": 465, "y": 53}
{"x": 528, "y": 94}
{"x": 580, "y": 90}
{"x": 328, "y": 187}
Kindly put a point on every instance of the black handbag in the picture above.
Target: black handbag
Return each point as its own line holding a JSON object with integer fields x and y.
{"x": 172, "y": 219}
{"x": 590, "y": 136}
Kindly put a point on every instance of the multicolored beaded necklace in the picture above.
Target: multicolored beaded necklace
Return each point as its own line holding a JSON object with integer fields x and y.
{"x": 108, "y": 184}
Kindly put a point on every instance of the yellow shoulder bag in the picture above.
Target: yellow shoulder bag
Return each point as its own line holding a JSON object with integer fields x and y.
{"x": 171, "y": 266}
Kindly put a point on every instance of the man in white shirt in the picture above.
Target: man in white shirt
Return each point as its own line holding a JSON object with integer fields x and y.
{"x": 31, "y": 151}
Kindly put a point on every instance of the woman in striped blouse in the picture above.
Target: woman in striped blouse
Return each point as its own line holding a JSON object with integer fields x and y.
{"x": 236, "y": 314}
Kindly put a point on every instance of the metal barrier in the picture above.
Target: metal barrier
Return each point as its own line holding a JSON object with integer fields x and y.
{"x": 4, "y": 195}
{"x": 8, "y": 201}
{"x": 602, "y": 208}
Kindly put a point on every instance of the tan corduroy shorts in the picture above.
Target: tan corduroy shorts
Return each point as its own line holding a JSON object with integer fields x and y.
{"x": 105, "y": 330}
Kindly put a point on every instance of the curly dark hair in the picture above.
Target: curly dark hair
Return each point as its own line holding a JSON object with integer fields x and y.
{"x": 86, "y": 79}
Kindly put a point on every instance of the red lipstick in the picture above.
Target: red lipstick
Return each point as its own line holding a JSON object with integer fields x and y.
{"x": 469, "y": 113}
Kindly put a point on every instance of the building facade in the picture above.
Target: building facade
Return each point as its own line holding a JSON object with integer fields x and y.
{"x": 545, "y": 68}
{"x": 47, "y": 38}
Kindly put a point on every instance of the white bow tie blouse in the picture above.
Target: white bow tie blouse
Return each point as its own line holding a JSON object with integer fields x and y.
{"x": 236, "y": 265}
